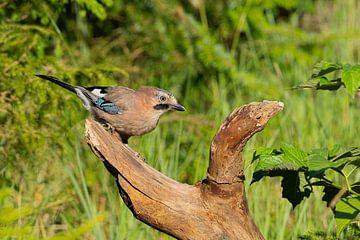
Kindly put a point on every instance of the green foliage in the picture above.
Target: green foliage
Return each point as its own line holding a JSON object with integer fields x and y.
{"x": 323, "y": 67}
{"x": 95, "y": 7}
{"x": 345, "y": 197}
{"x": 350, "y": 77}
{"x": 78, "y": 232}
{"x": 9, "y": 215}
{"x": 347, "y": 210}
{"x": 16, "y": 232}
{"x": 301, "y": 171}
{"x": 12, "y": 220}
{"x": 213, "y": 55}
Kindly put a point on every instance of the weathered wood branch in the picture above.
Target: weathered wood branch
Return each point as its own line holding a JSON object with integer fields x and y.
{"x": 215, "y": 208}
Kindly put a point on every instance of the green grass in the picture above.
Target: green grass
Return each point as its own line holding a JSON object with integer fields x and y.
{"x": 51, "y": 170}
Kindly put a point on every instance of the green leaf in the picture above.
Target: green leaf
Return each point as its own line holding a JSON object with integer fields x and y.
{"x": 320, "y": 151}
{"x": 351, "y": 152}
{"x": 263, "y": 151}
{"x": 323, "y": 68}
{"x": 356, "y": 187}
{"x": 351, "y": 78}
{"x": 334, "y": 150}
{"x": 355, "y": 162}
{"x": 9, "y": 215}
{"x": 269, "y": 162}
{"x": 95, "y": 7}
{"x": 346, "y": 211}
{"x": 299, "y": 169}
{"x": 289, "y": 158}
{"x": 294, "y": 155}
{"x": 108, "y": 3}
{"x": 322, "y": 83}
{"x": 325, "y": 84}
{"x": 342, "y": 159}
{"x": 318, "y": 162}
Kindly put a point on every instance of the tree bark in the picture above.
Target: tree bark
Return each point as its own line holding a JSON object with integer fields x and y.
{"x": 215, "y": 208}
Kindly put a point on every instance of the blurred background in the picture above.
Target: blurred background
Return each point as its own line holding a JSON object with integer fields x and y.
{"x": 213, "y": 55}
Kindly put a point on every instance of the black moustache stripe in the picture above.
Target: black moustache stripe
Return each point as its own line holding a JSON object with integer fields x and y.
{"x": 161, "y": 106}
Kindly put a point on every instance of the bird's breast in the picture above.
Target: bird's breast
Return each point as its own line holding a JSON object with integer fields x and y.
{"x": 133, "y": 124}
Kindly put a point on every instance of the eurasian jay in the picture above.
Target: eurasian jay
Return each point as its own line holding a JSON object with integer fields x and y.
{"x": 128, "y": 112}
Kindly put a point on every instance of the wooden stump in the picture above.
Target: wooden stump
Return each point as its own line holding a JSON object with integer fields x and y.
{"x": 215, "y": 208}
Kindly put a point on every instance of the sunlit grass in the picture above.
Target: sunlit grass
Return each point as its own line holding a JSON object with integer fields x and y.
{"x": 68, "y": 187}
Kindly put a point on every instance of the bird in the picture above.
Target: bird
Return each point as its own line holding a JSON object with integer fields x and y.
{"x": 124, "y": 110}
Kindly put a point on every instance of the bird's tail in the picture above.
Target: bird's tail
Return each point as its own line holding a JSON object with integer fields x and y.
{"x": 58, "y": 82}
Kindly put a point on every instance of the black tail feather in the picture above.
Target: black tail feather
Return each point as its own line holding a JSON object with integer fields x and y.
{"x": 57, "y": 81}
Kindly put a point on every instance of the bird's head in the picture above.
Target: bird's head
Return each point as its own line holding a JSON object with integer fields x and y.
{"x": 161, "y": 100}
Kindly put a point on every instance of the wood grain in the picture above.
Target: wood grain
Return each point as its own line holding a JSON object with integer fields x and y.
{"x": 215, "y": 208}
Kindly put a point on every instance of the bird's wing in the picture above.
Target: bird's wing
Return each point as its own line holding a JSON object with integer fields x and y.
{"x": 96, "y": 96}
{"x": 121, "y": 96}
{"x": 112, "y": 100}
{"x": 99, "y": 91}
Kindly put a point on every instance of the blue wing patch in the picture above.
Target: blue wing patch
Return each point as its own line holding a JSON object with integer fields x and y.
{"x": 107, "y": 106}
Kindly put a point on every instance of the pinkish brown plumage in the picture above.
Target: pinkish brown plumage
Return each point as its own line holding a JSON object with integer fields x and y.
{"x": 128, "y": 112}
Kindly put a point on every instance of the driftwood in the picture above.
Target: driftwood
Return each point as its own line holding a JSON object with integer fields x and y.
{"x": 215, "y": 208}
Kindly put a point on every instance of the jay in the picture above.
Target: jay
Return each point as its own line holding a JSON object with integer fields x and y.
{"x": 128, "y": 112}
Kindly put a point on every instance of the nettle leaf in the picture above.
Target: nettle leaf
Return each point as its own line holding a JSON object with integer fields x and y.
{"x": 277, "y": 162}
{"x": 355, "y": 162}
{"x": 351, "y": 78}
{"x": 346, "y": 212}
{"x": 301, "y": 170}
{"x": 323, "y": 68}
{"x": 331, "y": 85}
{"x": 321, "y": 83}
{"x": 356, "y": 187}
{"x": 334, "y": 150}
{"x": 264, "y": 151}
{"x": 351, "y": 152}
{"x": 288, "y": 158}
{"x": 293, "y": 158}
{"x": 294, "y": 155}
{"x": 342, "y": 159}
{"x": 320, "y": 151}
{"x": 317, "y": 162}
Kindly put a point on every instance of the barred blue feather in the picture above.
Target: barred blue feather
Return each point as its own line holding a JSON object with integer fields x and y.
{"x": 107, "y": 106}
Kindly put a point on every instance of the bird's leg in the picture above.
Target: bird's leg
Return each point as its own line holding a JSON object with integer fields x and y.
{"x": 109, "y": 128}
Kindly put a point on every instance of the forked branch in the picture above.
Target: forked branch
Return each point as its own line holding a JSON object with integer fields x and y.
{"x": 216, "y": 208}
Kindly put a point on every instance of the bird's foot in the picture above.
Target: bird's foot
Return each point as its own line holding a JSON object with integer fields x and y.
{"x": 109, "y": 128}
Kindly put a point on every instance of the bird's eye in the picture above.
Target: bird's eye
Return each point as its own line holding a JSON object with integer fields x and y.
{"x": 162, "y": 98}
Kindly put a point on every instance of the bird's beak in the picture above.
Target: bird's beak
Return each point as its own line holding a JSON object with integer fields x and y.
{"x": 177, "y": 107}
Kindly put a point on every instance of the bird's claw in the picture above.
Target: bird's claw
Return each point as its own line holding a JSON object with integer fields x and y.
{"x": 109, "y": 128}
